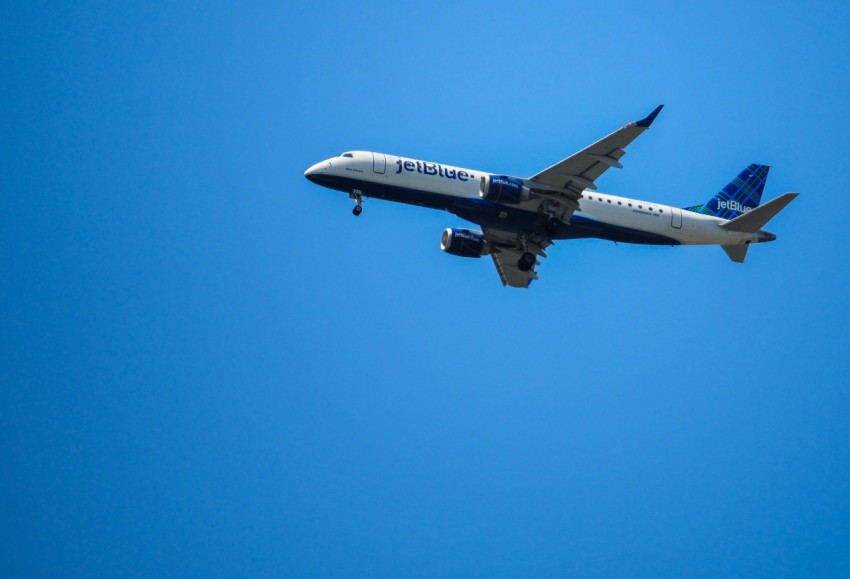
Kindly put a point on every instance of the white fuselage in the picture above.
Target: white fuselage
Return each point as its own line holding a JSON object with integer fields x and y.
{"x": 437, "y": 185}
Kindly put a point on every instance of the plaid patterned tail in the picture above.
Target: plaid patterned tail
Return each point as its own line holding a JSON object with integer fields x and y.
{"x": 739, "y": 196}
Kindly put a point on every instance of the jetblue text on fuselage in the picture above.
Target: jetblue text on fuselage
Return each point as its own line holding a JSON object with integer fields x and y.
{"x": 431, "y": 169}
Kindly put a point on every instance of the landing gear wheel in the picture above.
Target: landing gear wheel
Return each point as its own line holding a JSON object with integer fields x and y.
{"x": 526, "y": 262}
{"x": 553, "y": 225}
{"x": 357, "y": 195}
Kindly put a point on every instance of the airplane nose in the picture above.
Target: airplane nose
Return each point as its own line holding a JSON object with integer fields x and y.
{"x": 316, "y": 170}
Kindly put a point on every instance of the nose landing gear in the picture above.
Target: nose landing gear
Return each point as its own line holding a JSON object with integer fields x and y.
{"x": 358, "y": 198}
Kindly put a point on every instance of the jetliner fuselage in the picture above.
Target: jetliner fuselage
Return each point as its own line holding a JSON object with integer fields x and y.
{"x": 457, "y": 191}
{"x": 521, "y": 217}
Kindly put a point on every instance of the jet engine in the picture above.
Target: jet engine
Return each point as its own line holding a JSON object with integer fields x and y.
{"x": 464, "y": 242}
{"x": 503, "y": 189}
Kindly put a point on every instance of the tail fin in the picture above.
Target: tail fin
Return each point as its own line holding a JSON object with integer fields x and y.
{"x": 742, "y": 194}
{"x": 752, "y": 222}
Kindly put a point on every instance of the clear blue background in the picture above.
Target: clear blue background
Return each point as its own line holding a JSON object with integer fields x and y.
{"x": 210, "y": 368}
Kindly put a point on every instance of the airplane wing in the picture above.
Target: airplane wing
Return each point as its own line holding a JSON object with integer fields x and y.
{"x": 506, "y": 264}
{"x": 578, "y": 172}
{"x": 508, "y": 249}
{"x": 560, "y": 187}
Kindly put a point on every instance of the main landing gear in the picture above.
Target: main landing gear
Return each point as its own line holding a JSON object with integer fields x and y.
{"x": 553, "y": 225}
{"x": 526, "y": 261}
{"x": 358, "y": 209}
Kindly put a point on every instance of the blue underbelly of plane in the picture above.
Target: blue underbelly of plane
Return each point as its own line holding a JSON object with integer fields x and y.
{"x": 488, "y": 214}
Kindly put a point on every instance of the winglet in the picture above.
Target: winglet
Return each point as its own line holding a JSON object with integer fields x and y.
{"x": 648, "y": 120}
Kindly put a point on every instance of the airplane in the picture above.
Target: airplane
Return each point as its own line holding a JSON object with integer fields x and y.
{"x": 520, "y": 217}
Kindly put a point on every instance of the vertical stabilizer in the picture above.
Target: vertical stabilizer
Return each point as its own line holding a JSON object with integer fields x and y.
{"x": 742, "y": 194}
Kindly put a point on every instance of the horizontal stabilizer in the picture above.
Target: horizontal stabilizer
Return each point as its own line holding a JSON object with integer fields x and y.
{"x": 753, "y": 220}
{"x": 736, "y": 253}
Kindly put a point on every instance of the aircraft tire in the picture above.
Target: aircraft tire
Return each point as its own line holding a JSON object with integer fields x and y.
{"x": 526, "y": 262}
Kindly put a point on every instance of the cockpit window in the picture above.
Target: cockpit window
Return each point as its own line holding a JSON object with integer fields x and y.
{"x": 349, "y": 155}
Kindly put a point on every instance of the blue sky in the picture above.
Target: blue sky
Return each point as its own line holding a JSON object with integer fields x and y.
{"x": 209, "y": 367}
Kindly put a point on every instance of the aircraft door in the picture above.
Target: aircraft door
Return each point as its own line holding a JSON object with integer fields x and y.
{"x": 677, "y": 218}
{"x": 379, "y": 163}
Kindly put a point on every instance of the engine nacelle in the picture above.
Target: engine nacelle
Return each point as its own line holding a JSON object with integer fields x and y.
{"x": 503, "y": 189}
{"x": 464, "y": 242}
